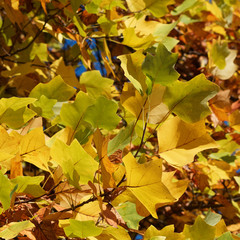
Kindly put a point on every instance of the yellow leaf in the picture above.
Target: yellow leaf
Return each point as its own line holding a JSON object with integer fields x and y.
{"x": 179, "y": 141}
{"x": 8, "y": 148}
{"x": 34, "y": 150}
{"x": 234, "y": 120}
{"x": 135, "y": 41}
{"x": 167, "y": 232}
{"x": 177, "y": 187}
{"x": 153, "y": 109}
{"x": 145, "y": 180}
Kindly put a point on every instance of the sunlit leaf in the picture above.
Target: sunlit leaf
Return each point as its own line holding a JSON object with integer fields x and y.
{"x": 14, "y": 111}
{"x": 33, "y": 149}
{"x": 167, "y": 232}
{"x": 12, "y": 230}
{"x": 160, "y": 68}
{"x": 78, "y": 166}
{"x": 189, "y": 100}
{"x": 179, "y": 141}
{"x": 132, "y": 66}
{"x": 199, "y": 230}
{"x": 29, "y": 185}
{"x": 55, "y": 89}
{"x": 144, "y": 180}
{"x": 82, "y": 229}
{"x": 6, "y": 187}
{"x": 131, "y": 39}
{"x": 103, "y": 114}
{"x": 72, "y": 114}
{"x": 129, "y": 214}
{"x": 96, "y": 85}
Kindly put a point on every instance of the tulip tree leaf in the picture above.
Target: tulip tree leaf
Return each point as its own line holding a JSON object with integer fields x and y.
{"x": 77, "y": 165}
{"x": 166, "y": 232}
{"x": 82, "y": 229}
{"x": 160, "y": 68}
{"x": 14, "y": 228}
{"x": 14, "y": 111}
{"x": 95, "y": 84}
{"x": 43, "y": 107}
{"x": 179, "y": 141}
{"x": 103, "y": 114}
{"x": 189, "y": 99}
{"x": 55, "y": 89}
{"x": 144, "y": 180}
{"x": 132, "y": 66}
{"x": 129, "y": 214}
{"x": 72, "y": 113}
{"x": 33, "y": 149}
{"x": 199, "y": 230}
{"x": 29, "y": 185}
{"x": 136, "y": 42}
{"x": 5, "y": 186}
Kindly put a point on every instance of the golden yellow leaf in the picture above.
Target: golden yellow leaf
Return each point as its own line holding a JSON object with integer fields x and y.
{"x": 167, "y": 232}
{"x": 145, "y": 180}
{"x": 179, "y": 141}
{"x": 33, "y": 149}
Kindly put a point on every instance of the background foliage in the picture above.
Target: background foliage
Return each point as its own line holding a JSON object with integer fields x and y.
{"x": 119, "y": 119}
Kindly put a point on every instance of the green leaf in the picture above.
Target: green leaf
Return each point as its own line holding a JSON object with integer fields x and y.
{"x": 6, "y": 187}
{"x": 14, "y": 228}
{"x": 43, "y": 107}
{"x": 14, "y": 111}
{"x": 29, "y": 185}
{"x": 55, "y": 89}
{"x": 103, "y": 114}
{"x": 212, "y": 218}
{"x": 218, "y": 53}
{"x": 72, "y": 113}
{"x": 77, "y": 165}
{"x": 132, "y": 66}
{"x": 160, "y": 68}
{"x": 199, "y": 230}
{"x": 183, "y": 7}
{"x": 129, "y": 214}
{"x": 82, "y": 229}
{"x": 40, "y": 50}
{"x": 189, "y": 99}
{"x": 95, "y": 84}
{"x": 226, "y": 236}
{"x": 122, "y": 139}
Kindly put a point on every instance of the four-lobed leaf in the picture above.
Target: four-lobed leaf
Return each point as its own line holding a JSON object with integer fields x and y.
{"x": 189, "y": 100}
{"x": 179, "y": 141}
{"x": 145, "y": 180}
{"x": 160, "y": 67}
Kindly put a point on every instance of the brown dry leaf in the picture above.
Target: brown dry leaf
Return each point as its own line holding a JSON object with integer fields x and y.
{"x": 111, "y": 216}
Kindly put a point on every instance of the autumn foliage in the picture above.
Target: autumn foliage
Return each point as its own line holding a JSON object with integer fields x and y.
{"x": 120, "y": 119}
